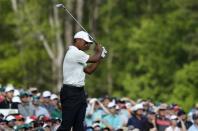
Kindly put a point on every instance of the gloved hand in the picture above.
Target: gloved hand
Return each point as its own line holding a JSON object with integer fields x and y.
{"x": 104, "y": 52}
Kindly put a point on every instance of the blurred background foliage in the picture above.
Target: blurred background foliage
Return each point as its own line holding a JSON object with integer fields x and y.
{"x": 153, "y": 46}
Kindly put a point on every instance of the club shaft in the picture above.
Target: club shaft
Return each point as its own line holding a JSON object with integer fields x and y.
{"x": 79, "y": 23}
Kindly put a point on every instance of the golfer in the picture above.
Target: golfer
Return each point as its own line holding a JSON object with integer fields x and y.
{"x": 72, "y": 94}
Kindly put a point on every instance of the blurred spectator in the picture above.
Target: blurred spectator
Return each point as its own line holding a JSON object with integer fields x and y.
{"x": 123, "y": 112}
{"x": 7, "y": 102}
{"x": 46, "y": 101}
{"x": 112, "y": 120}
{"x": 20, "y": 120}
{"x": 151, "y": 116}
{"x": 106, "y": 100}
{"x": 173, "y": 124}
{"x": 10, "y": 121}
{"x": 194, "y": 127}
{"x": 2, "y": 94}
{"x": 56, "y": 112}
{"x": 183, "y": 118}
{"x": 25, "y": 107}
{"x": 162, "y": 122}
{"x": 39, "y": 110}
{"x": 33, "y": 91}
{"x": 3, "y": 124}
{"x": 138, "y": 120}
{"x": 95, "y": 112}
{"x": 55, "y": 123}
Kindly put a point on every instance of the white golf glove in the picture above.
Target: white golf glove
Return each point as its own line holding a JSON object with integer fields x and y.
{"x": 104, "y": 52}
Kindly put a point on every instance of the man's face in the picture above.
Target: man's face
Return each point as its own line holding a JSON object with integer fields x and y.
{"x": 54, "y": 102}
{"x": 139, "y": 112}
{"x": 19, "y": 122}
{"x": 25, "y": 99}
{"x": 151, "y": 116}
{"x": 83, "y": 45}
{"x": 10, "y": 94}
{"x": 46, "y": 100}
{"x": 112, "y": 110}
{"x": 106, "y": 102}
{"x": 162, "y": 112}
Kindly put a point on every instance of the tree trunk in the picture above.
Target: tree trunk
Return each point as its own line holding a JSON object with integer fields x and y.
{"x": 79, "y": 14}
{"x": 68, "y": 22}
{"x": 59, "y": 49}
{"x": 94, "y": 17}
{"x": 110, "y": 56}
{"x": 14, "y": 5}
{"x": 109, "y": 74}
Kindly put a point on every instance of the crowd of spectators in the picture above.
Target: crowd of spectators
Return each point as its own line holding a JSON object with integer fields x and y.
{"x": 31, "y": 110}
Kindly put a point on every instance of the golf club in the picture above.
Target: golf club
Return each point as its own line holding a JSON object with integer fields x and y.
{"x": 62, "y": 6}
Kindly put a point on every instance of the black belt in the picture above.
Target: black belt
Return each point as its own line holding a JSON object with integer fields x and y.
{"x": 73, "y": 87}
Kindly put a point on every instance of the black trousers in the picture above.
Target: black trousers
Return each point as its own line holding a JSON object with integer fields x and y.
{"x": 73, "y": 102}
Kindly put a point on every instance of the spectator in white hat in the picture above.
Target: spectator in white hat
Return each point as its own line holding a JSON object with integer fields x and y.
{"x": 56, "y": 112}
{"x": 39, "y": 110}
{"x": 7, "y": 102}
{"x": 112, "y": 120}
{"x": 33, "y": 91}
{"x": 173, "y": 124}
{"x": 10, "y": 119}
{"x": 138, "y": 120}
{"x": 46, "y": 101}
{"x": 162, "y": 122}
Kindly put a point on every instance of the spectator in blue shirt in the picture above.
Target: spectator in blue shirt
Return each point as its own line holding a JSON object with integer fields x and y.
{"x": 112, "y": 120}
{"x": 194, "y": 127}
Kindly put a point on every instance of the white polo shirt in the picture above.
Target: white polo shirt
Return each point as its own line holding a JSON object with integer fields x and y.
{"x": 73, "y": 67}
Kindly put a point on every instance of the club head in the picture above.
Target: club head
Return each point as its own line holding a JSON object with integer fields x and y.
{"x": 59, "y": 5}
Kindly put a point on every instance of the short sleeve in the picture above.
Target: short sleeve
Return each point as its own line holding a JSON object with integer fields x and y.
{"x": 81, "y": 57}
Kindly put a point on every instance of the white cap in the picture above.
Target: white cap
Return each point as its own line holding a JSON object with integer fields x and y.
{"x": 53, "y": 96}
{"x": 16, "y": 99}
{"x": 9, "y": 87}
{"x": 10, "y": 118}
{"x": 46, "y": 94}
{"x": 28, "y": 120}
{"x": 137, "y": 107}
{"x": 111, "y": 104}
{"x": 173, "y": 117}
{"x": 16, "y": 92}
{"x": 33, "y": 89}
{"x": 83, "y": 35}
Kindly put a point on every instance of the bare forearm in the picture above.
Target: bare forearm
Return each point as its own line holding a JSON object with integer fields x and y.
{"x": 91, "y": 68}
{"x": 95, "y": 58}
